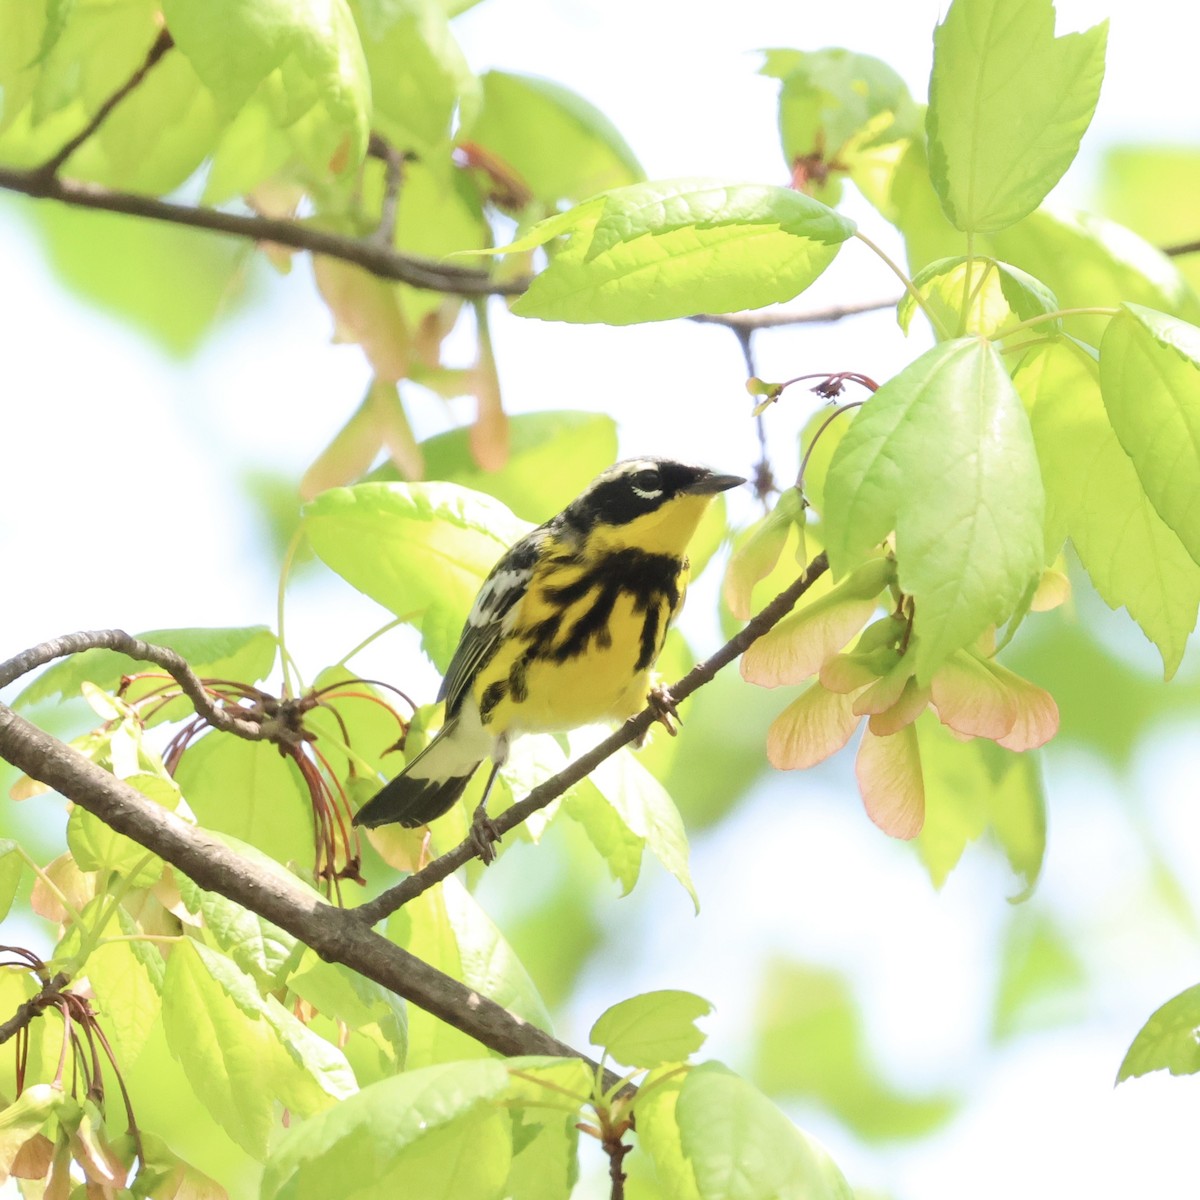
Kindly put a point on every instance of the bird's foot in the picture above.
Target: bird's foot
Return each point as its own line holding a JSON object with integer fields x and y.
{"x": 483, "y": 834}
{"x": 663, "y": 703}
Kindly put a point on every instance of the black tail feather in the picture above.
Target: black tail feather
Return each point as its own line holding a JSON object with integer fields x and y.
{"x": 412, "y": 801}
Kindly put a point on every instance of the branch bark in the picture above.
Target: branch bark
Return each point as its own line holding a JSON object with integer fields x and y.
{"x": 334, "y": 933}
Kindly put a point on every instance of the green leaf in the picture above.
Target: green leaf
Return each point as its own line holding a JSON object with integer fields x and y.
{"x": 344, "y": 995}
{"x": 1168, "y": 1040}
{"x": 810, "y": 1045}
{"x": 447, "y": 929}
{"x": 654, "y": 251}
{"x": 648, "y": 811}
{"x": 429, "y": 1133}
{"x": 837, "y": 109}
{"x": 1141, "y": 186}
{"x": 247, "y": 790}
{"x": 260, "y": 948}
{"x": 1150, "y": 381}
{"x": 1094, "y": 495}
{"x": 1008, "y": 105}
{"x": 741, "y": 1147}
{"x": 10, "y": 874}
{"x": 1001, "y": 295}
{"x": 1088, "y": 261}
{"x": 652, "y": 1028}
{"x": 242, "y": 654}
{"x": 308, "y": 49}
{"x": 419, "y": 74}
{"x": 98, "y": 847}
{"x": 553, "y": 456}
{"x": 244, "y": 1053}
{"x": 546, "y": 1167}
{"x": 558, "y": 144}
{"x": 152, "y": 142}
{"x": 942, "y": 454}
{"x": 489, "y": 965}
{"x": 421, "y": 550}
{"x": 126, "y": 993}
{"x": 1042, "y": 980}
{"x": 971, "y": 787}
{"x": 130, "y": 267}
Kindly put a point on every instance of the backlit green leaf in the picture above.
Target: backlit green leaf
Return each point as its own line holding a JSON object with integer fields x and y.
{"x": 652, "y": 1029}
{"x": 1000, "y": 295}
{"x": 560, "y": 146}
{"x": 1008, "y": 105}
{"x": 1150, "y": 381}
{"x": 1089, "y": 261}
{"x": 1095, "y": 496}
{"x": 976, "y": 786}
{"x": 552, "y": 457}
{"x": 248, "y": 790}
{"x": 1168, "y": 1039}
{"x": 306, "y": 55}
{"x": 418, "y": 72}
{"x": 654, "y": 251}
{"x": 810, "y": 1045}
{"x": 1042, "y": 979}
{"x": 244, "y": 1053}
{"x": 644, "y": 806}
{"x": 837, "y": 109}
{"x": 421, "y": 550}
{"x": 10, "y": 874}
{"x": 741, "y": 1147}
{"x": 942, "y": 454}
{"x": 371, "y": 1143}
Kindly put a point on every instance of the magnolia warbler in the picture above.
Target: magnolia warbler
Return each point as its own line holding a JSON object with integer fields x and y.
{"x": 564, "y": 631}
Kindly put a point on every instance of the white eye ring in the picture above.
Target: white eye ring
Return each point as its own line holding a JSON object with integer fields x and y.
{"x": 651, "y": 494}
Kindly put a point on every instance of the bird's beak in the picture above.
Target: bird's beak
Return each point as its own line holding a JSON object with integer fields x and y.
{"x": 710, "y": 485}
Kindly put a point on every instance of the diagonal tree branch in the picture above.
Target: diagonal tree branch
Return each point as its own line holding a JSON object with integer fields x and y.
{"x": 160, "y": 46}
{"x": 333, "y": 933}
{"x": 387, "y": 902}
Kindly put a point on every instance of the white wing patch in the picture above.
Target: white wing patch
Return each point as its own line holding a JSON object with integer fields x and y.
{"x": 497, "y": 595}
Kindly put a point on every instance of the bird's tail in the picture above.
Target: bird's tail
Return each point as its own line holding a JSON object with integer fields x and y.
{"x": 427, "y": 787}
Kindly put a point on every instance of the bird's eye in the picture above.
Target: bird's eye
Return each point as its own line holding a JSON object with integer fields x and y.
{"x": 646, "y": 484}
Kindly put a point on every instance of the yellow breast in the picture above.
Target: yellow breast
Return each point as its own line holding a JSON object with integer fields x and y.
{"x": 582, "y": 643}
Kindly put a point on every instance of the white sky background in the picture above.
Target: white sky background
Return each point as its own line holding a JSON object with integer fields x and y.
{"x": 121, "y": 504}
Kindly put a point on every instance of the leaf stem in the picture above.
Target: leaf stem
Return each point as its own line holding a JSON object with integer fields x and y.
{"x": 969, "y": 270}
{"x": 939, "y": 329}
{"x": 287, "y": 664}
{"x": 57, "y": 892}
{"x": 341, "y": 662}
{"x": 1042, "y": 318}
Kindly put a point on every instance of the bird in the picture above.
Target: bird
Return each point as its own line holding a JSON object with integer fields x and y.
{"x": 564, "y": 632}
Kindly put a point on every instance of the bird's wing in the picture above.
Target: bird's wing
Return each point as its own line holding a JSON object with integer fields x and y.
{"x": 501, "y": 592}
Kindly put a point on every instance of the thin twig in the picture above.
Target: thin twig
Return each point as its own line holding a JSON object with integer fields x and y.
{"x": 379, "y": 260}
{"x": 751, "y": 322}
{"x": 1181, "y": 248}
{"x": 123, "y": 643}
{"x": 393, "y": 177}
{"x": 161, "y": 45}
{"x": 387, "y": 902}
{"x": 33, "y": 1007}
{"x": 616, "y": 1151}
